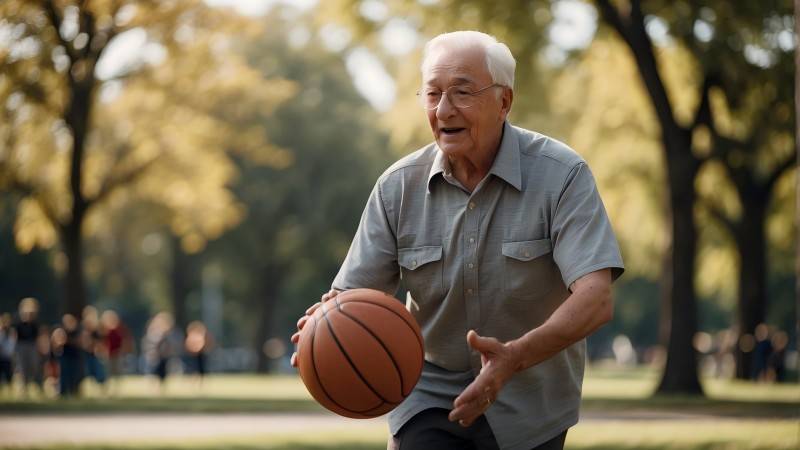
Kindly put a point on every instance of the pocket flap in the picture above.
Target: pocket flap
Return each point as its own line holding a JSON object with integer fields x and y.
{"x": 412, "y": 258}
{"x": 527, "y": 250}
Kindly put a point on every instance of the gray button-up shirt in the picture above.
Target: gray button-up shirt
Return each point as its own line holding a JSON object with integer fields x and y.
{"x": 497, "y": 260}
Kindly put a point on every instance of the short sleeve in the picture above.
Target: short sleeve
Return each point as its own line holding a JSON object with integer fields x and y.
{"x": 371, "y": 261}
{"x": 583, "y": 240}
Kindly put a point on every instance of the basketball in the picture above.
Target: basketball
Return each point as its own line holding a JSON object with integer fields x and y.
{"x": 360, "y": 354}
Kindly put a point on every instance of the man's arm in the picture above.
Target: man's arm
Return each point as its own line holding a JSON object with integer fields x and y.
{"x": 587, "y": 309}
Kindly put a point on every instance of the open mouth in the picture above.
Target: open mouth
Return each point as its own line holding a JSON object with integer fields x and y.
{"x": 453, "y": 130}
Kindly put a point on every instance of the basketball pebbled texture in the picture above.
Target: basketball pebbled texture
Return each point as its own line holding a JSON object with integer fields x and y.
{"x": 360, "y": 354}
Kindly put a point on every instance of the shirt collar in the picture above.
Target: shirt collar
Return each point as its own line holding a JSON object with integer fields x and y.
{"x": 506, "y": 163}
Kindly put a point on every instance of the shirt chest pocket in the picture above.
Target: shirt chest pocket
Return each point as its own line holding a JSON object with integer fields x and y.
{"x": 527, "y": 272}
{"x": 421, "y": 272}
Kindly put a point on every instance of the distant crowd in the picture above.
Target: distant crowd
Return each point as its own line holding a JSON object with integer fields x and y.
{"x": 57, "y": 358}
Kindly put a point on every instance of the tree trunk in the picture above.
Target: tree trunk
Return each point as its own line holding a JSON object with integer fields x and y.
{"x": 77, "y": 117}
{"x": 680, "y": 374}
{"x": 74, "y": 283}
{"x": 752, "y": 246}
{"x": 181, "y": 279}
{"x": 797, "y": 172}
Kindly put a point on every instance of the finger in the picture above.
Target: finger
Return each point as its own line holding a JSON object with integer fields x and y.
{"x": 295, "y": 338}
{"x": 476, "y": 391}
{"x": 464, "y": 416}
{"x": 329, "y": 295}
{"x": 482, "y": 344}
{"x": 301, "y": 322}
{"x": 313, "y": 308}
{"x": 294, "y": 359}
{"x": 466, "y": 422}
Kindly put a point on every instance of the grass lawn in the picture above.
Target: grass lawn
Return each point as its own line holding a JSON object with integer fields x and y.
{"x": 734, "y": 415}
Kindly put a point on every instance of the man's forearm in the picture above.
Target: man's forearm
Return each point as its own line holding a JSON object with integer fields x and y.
{"x": 587, "y": 309}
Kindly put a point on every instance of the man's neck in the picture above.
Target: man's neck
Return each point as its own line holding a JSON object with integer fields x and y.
{"x": 471, "y": 169}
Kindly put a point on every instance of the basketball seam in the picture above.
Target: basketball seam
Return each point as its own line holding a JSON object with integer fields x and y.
{"x": 421, "y": 346}
{"x": 358, "y": 372}
{"x": 391, "y": 356}
{"x": 316, "y": 373}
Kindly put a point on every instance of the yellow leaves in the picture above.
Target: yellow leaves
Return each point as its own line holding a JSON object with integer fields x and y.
{"x": 406, "y": 121}
{"x": 32, "y": 227}
{"x": 614, "y": 129}
{"x": 716, "y": 273}
{"x": 680, "y": 74}
{"x": 714, "y": 188}
{"x": 701, "y": 141}
{"x": 166, "y": 139}
{"x": 781, "y": 227}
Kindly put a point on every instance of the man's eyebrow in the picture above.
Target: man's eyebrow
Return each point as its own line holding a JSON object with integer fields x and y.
{"x": 456, "y": 81}
{"x": 462, "y": 80}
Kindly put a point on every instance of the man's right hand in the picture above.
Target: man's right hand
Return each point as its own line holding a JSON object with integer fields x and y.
{"x": 310, "y": 311}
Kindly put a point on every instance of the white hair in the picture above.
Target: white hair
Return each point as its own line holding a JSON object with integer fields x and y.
{"x": 499, "y": 60}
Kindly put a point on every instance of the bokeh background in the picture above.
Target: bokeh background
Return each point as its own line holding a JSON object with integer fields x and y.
{"x": 205, "y": 163}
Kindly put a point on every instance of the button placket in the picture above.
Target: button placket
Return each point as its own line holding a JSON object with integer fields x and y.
{"x": 471, "y": 293}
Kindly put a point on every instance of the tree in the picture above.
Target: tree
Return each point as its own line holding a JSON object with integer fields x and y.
{"x": 743, "y": 122}
{"x": 797, "y": 144}
{"x": 300, "y": 219}
{"x": 62, "y": 151}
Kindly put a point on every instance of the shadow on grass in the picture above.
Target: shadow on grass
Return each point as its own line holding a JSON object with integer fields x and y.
{"x": 693, "y": 405}
{"x": 160, "y": 404}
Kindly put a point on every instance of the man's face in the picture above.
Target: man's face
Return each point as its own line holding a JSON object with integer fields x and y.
{"x": 464, "y": 131}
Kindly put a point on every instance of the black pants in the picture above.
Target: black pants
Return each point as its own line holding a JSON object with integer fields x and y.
{"x": 430, "y": 429}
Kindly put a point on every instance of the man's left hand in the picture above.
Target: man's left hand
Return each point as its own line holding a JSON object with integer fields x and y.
{"x": 499, "y": 362}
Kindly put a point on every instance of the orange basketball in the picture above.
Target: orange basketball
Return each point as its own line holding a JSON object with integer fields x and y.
{"x": 360, "y": 354}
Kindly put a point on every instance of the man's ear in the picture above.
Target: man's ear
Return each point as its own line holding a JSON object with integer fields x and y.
{"x": 507, "y": 99}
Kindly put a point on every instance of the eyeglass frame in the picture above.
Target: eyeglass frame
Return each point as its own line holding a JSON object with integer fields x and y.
{"x": 444, "y": 93}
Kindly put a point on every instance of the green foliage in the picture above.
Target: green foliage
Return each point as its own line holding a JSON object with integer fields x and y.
{"x": 300, "y": 218}
{"x": 28, "y": 275}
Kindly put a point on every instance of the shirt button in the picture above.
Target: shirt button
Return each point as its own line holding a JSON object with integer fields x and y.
{"x": 471, "y": 240}
{"x": 469, "y": 291}
{"x": 527, "y": 254}
{"x": 470, "y": 265}
{"x": 471, "y": 205}
{"x": 414, "y": 263}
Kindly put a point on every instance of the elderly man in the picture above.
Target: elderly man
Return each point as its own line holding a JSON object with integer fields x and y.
{"x": 501, "y": 238}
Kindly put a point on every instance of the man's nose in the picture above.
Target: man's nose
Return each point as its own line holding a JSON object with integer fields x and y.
{"x": 445, "y": 107}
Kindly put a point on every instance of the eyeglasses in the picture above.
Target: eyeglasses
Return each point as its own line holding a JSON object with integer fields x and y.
{"x": 459, "y": 96}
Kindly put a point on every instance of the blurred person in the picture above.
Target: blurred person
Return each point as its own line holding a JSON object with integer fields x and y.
{"x": 118, "y": 341}
{"x": 8, "y": 341}
{"x": 724, "y": 359}
{"x": 58, "y": 338}
{"x": 776, "y": 363}
{"x": 761, "y": 352}
{"x": 159, "y": 346}
{"x": 52, "y": 369}
{"x": 27, "y": 330}
{"x": 43, "y": 347}
{"x": 495, "y": 230}
{"x": 71, "y": 357}
{"x": 93, "y": 344}
{"x": 198, "y": 344}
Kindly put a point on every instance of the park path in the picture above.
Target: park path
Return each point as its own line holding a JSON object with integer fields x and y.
{"x": 17, "y": 430}
{"x": 22, "y": 429}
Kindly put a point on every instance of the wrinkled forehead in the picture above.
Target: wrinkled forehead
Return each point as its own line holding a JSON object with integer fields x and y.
{"x": 447, "y": 65}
